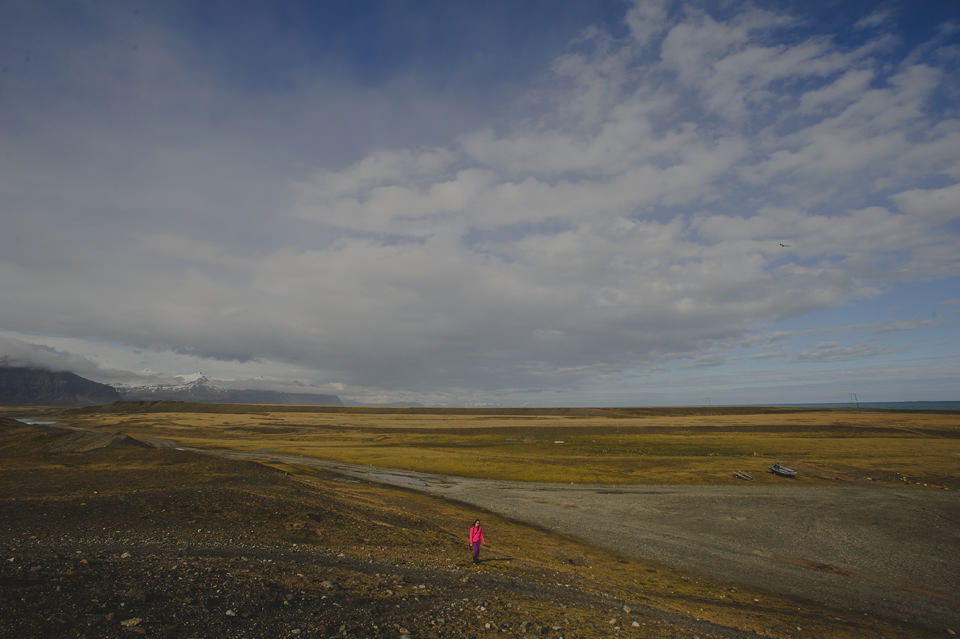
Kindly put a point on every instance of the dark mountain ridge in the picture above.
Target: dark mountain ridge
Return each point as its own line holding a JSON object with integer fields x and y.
{"x": 24, "y": 386}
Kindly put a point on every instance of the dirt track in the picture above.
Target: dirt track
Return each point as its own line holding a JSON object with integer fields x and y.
{"x": 886, "y": 551}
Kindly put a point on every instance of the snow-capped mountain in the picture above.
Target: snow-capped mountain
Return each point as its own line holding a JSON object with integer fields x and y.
{"x": 198, "y": 384}
{"x": 199, "y": 388}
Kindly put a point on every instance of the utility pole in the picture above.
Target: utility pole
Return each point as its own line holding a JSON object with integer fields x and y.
{"x": 853, "y": 398}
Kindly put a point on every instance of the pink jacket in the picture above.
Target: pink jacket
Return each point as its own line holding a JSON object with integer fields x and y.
{"x": 476, "y": 534}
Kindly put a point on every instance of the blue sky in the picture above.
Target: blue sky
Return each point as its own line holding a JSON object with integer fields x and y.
{"x": 500, "y": 203}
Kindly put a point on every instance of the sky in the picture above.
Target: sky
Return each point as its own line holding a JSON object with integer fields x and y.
{"x": 538, "y": 203}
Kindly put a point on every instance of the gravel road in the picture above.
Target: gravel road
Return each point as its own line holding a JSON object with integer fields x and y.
{"x": 880, "y": 550}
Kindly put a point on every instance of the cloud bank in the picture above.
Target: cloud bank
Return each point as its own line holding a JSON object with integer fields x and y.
{"x": 671, "y": 191}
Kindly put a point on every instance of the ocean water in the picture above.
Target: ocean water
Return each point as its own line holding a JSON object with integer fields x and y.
{"x": 883, "y": 405}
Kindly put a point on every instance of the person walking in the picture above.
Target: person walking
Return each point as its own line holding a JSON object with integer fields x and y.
{"x": 476, "y": 538}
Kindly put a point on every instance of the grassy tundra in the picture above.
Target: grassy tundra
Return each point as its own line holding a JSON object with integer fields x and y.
{"x": 663, "y": 446}
{"x": 203, "y": 526}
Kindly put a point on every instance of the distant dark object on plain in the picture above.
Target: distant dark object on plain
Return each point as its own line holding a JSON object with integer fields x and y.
{"x": 783, "y": 471}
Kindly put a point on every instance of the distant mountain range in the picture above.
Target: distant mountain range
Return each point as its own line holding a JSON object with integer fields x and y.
{"x": 24, "y": 386}
{"x": 202, "y": 389}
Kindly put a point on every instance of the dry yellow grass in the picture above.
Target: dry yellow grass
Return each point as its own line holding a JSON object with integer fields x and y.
{"x": 614, "y": 447}
{"x": 588, "y": 445}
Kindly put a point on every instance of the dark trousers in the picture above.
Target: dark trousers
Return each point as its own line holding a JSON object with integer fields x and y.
{"x": 476, "y": 551}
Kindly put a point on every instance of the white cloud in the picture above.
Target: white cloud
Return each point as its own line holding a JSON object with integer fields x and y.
{"x": 20, "y": 352}
{"x": 846, "y": 89}
{"x": 837, "y": 352}
{"x": 382, "y": 167}
{"x": 935, "y": 206}
{"x": 878, "y": 18}
{"x": 630, "y": 215}
{"x": 647, "y": 19}
{"x": 832, "y": 160}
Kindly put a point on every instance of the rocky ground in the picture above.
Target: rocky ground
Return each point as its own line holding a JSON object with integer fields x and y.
{"x": 122, "y": 540}
{"x": 108, "y": 538}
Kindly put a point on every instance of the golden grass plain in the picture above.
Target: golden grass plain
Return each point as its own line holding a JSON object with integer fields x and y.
{"x": 604, "y": 446}
{"x": 668, "y": 446}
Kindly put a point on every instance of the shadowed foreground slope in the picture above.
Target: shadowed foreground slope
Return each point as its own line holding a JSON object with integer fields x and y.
{"x": 124, "y": 540}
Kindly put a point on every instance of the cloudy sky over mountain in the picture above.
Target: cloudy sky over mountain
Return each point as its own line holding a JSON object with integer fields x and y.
{"x": 507, "y": 203}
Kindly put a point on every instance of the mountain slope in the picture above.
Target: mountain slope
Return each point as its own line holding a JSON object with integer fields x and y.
{"x": 23, "y": 386}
